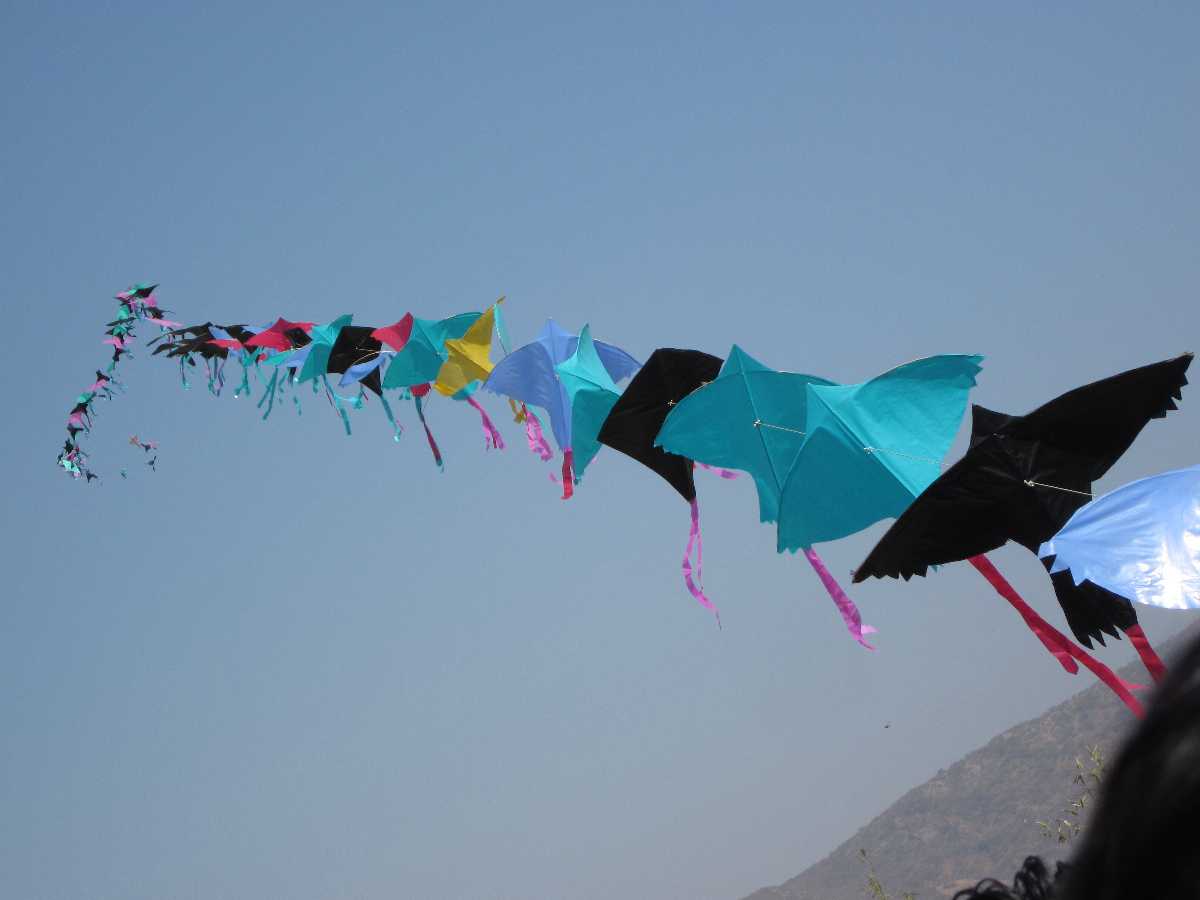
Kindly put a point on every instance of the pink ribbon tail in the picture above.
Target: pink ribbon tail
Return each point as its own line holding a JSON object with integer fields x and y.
{"x": 850, "y": 614}
{"x": 1150, "y": 659}
{"x": 695, "y": 542}
{"x": 491, "y": 436}
{"x": 724, "y": 473}
{"x": 537, "y": 440}
{"x": 1055, "y": 641}
{"x": 568, "y": 476}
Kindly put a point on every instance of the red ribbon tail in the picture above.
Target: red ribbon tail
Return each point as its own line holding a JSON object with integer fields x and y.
{"x": 568, "y": 475}
{"x": 1055, "y": 641}
{"x": 1046, "y": 633}
{"x": 1150, "y": 659}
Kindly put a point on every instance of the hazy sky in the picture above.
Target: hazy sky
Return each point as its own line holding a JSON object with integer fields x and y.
{"x": 295, "y": 664}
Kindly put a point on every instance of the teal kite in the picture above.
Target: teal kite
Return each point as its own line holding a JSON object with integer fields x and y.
{"x": 828, "y": 460}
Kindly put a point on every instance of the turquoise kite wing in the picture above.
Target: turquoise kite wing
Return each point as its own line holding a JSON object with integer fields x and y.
{"x": 588, "y": 412}
{"x": 584, "y": 370}
{"x": 591, "y": 394}
{"x": 909, "y": 416}
{"x": 451, "y": 329}
{"x": 750, "y": 418}
{"x": 323, "y": 339}
{"x": 422, "y": 357}
{"x": 870, "y": 448}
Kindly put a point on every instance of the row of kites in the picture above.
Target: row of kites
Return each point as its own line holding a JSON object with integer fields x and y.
{"x": 827, "y": 459}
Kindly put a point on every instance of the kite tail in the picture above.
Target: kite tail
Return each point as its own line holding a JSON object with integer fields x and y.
{"x": 244, "y": 387}
{"x": 345, "y": 418}
{"x": 491, "y": 437}
{"x": 1053, "y": 640}
{"x": 1057, "y": 643}
{"x": 568, "y": 475}
{"x": 437, "y": 454}
{"x": 216, "y": 376}
{"x": 336, "y": 402}
{"x": 391, "y": 417}
{"x": 850, "y": 614}
{"x": 1150, "y": 659}
{"x": 269, "y": 394}
{"x": 537, "y": 440}
{"x": 724, "y": 473}
{"x": 697, "y": 543}
{"x": 133, "y": 305}
{"x": 183, "y": 373}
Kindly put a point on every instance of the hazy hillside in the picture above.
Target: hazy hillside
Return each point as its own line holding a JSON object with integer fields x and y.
{"x": 978, "y": 817}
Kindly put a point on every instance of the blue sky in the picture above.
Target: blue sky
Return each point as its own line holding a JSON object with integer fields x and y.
{"x": 296, "y": 664}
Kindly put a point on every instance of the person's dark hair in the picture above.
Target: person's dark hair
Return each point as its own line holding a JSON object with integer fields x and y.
{"x": 1141, "y": 841}
{"x": 1032, "y": 882}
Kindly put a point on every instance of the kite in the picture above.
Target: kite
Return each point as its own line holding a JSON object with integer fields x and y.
{"x": 633, "y": 423}
{"x": 468, "y": 358}
{"x": 1021, "y": 479}
{"x": 529, "y": 375}
{"x": 591, "y": 393}
{"x": 312, "y": 360}
{"x": 421, "y": 352}
{"x": 215, "y": 343}
{"x": 135, "y": 441}
{"x": 828, "y": 459}
{"x": 1141, "y": 541}
{"x": 282, "y": 335}
{"x": 133, "y": 304}
{"x": 413, "y": 353}
{"x": 356, "y": 356}
{"x": 467, "y": 365}
{"x": 869, "y": 449}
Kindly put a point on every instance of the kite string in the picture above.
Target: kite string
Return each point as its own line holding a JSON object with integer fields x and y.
{"x": 906, "y": 455}
{"x": 759, "y": 423}
{"x": 1055, "y": 487}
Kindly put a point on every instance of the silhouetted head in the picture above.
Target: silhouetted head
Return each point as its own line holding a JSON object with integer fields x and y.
{"x": 1141, "y": 842}
{"x": 1033, "y": 882}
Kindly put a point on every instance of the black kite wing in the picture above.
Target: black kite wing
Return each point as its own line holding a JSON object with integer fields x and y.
{"x": 1091, "y": 611}
{"x": 967, "y": 511}
{"x": 634, "y": 421}
{"x": 355, "y": 345}
{"x": 1091, "y": 427}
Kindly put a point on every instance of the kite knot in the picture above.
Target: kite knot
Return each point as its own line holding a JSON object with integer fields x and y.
{"x": 758, "y": 423}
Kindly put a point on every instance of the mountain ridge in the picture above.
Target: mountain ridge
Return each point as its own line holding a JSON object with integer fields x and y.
{"x": 977, "y": 818}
